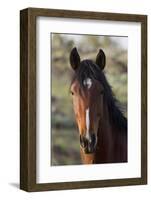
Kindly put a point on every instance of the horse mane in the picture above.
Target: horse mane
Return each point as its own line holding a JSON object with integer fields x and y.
{"x": 88, "y": 69}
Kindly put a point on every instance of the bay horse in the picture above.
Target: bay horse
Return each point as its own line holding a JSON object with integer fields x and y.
{"x": 101, "y": 123}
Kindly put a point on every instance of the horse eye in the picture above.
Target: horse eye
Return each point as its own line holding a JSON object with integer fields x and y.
{"x": 71, "y": 93}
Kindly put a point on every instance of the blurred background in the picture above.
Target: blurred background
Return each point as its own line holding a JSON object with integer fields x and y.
{"x": 65, "y": 149}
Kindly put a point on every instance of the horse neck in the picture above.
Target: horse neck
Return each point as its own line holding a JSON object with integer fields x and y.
{"x": 105, "y": 130}
{"x": 109, "y": 147}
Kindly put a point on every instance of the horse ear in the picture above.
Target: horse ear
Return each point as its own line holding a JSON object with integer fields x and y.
{"x": 74, "y": 58}
{"x": 101, "y": 59}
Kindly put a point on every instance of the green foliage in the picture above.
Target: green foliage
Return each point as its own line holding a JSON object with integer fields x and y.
{"x": 65, "y": 147}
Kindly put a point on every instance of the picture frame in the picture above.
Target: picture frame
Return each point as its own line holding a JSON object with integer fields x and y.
{"x": 28, "y": 98}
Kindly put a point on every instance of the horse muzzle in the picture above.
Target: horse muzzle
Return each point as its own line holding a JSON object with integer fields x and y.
{"x": 88, "y": 144}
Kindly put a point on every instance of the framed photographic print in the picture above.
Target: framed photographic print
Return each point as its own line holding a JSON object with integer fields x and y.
{"x": 83, "y": 99}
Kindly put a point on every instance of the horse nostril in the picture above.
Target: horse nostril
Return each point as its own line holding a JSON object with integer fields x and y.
{"x": 83, "y": 141}
{"x": 93, "y": 140}
{"x": 92, "y": 143}
{"x": 88, "y": 144}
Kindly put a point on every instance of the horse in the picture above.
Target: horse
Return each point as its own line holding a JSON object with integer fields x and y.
{"x": 98, "y": 114}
